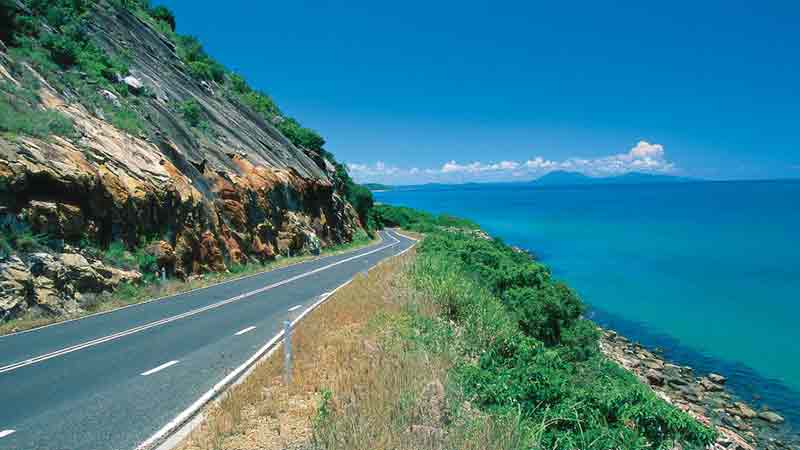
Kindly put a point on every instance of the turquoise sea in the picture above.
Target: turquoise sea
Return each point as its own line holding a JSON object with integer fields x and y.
{"x": 707, "y": 271}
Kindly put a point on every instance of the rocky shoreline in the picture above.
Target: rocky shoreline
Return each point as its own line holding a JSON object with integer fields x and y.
{"x": 740, "y": 426}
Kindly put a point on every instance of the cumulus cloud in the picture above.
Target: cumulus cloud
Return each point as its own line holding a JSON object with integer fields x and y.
{"x": 643, "y": 157}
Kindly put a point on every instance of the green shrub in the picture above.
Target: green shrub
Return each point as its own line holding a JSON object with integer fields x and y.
{"x": 117, "y": 255}
{"x": 163, "y": 14}
{"x": 415, "y": 220}
{"x": 299, "y": 135}
{"x": 201, "y": 66}
{"x": 531, "y": 354}
{"x": 20, "y": 117}
{"x": 544, "y": 312}
{"x": 191, "y": 112}
{"x": 127, "y": 120}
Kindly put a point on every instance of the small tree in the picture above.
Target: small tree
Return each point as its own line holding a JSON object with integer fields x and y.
{"x": 163, "y": 14}
{"x": 543, "y": 313}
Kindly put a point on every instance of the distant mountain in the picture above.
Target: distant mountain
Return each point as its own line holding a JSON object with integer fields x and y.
{"x": 561, "y": 177}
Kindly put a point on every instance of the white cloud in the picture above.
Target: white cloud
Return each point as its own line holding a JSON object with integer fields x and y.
{"x": 643, "y": 157}
{"x": 645, "y": 149}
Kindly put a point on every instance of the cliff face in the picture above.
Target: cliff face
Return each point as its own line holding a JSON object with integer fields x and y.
{"x": 154, "y": 155}
{"x": 229, "y": 191}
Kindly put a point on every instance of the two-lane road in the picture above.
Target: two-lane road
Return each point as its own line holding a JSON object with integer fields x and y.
{"x": 111, "y": 381}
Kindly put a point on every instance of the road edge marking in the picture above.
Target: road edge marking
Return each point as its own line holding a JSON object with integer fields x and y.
{"x": 166, "y": 320}
{"x": 244, "y": 277}
{"x": 238, "y": 375}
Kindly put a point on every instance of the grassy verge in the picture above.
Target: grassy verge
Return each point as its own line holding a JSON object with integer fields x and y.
{"x": 461, "y": 343}
{"x": 129, "y": 294}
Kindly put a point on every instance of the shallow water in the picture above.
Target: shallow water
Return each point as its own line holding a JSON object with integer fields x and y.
{"x": 707, "y": 271}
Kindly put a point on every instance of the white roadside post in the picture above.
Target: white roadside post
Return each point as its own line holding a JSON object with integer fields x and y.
{"x": 287, "y": 344}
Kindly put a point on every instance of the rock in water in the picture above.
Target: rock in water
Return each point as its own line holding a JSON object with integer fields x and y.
{"x": 716, "y": 378}
{"x": 771, "y": 417}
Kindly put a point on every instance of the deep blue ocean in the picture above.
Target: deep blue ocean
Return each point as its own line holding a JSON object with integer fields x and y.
{"x": 707, "y": 271}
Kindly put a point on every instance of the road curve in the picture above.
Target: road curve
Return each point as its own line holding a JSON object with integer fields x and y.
{"x": 110, "y": 381}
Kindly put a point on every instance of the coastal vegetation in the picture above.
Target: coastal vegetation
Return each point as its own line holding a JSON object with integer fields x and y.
{"x": 461, "y": 343}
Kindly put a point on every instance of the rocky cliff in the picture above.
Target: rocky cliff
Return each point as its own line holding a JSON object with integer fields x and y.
{"x": 216, "y": 185}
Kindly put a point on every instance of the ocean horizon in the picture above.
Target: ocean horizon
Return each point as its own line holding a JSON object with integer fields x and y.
{"x": 705, "y": 271}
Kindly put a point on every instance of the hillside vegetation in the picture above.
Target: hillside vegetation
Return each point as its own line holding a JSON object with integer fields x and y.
{"x": 460, "y": 343}
{"x": 521, "y": 350}
{"x": 120, "y": 136}
{"x": 52, "y": 36}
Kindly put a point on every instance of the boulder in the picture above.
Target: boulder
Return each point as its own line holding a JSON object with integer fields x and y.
{"x": 716, "y": 378}
{"x": 164, "y": 254}
{"x": 745, "y": 410}
{"x": 655, "y": 377}
{"x": 56, "y": 219}
{"x": 770, "y": 417}
{"x": 133, "y": 83}
{"x": 52, "y": 299}
{"x": 110, "y": 96}
{"x": 709, "y": 385}
{"x": 15, "y": 287}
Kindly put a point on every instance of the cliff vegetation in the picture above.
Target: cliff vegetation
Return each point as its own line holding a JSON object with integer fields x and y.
{"x": 119, "y": 136}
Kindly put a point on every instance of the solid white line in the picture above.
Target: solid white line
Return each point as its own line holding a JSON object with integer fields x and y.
{"x": 243, "y": 369}
{"x": 248, "y": 329}
{"x": 5, "y": 433}
{"x": 232, "y": 280}
{"x": 295, "y": 308}
{"x": 190, "y": 313}
{"x": 161, "y": 367}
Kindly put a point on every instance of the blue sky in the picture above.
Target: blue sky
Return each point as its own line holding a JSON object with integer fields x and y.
{"x": 489, "y": 91}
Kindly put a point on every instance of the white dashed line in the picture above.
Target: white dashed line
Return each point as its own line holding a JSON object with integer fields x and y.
{"x": 5, "y": 433}
{"x": 193, "y": 312}
{"x": 239, "y": 333}
{"x": 161, "y": 367}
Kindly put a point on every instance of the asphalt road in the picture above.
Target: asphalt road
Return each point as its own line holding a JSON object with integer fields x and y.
{"x": 111, "y": 381}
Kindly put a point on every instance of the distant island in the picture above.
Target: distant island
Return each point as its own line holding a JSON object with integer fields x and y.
{"x": 562, "y": 177}
{"x": 377, "y": 187}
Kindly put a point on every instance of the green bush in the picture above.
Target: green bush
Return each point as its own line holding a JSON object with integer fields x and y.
{"x": 523, "y": 349}
{"x": 163, "y": 14}
{"x": 301, "y": 136}
{"x": 17, "y": 117}
{"x": 415, "y": 220}
{"x": 127, "y": 120}
{"x": 544, "y": 312}
{"x": 191, "y": 112}
{"x": 201, "y": 66}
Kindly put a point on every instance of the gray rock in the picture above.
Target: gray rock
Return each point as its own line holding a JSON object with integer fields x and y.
{"x": 716, "y": 378}
{"x": 15, "y": 287}
{"x": 655, "y": 377}
{"x": 710, "y": 385}
{"x": 745, "y": 410}
{"x": 110, "y": 96}
{"x": 770, "y": 417}
{"x": 134, "y": 83}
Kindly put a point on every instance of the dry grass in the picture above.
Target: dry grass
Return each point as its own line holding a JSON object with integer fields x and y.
{"x": 358, "y": 383}
{"x": 130, "y": 295}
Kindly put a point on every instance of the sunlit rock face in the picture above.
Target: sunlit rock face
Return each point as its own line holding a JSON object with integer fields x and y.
{"x": 230, "y": 191}
{"x": 235, "y": 191}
